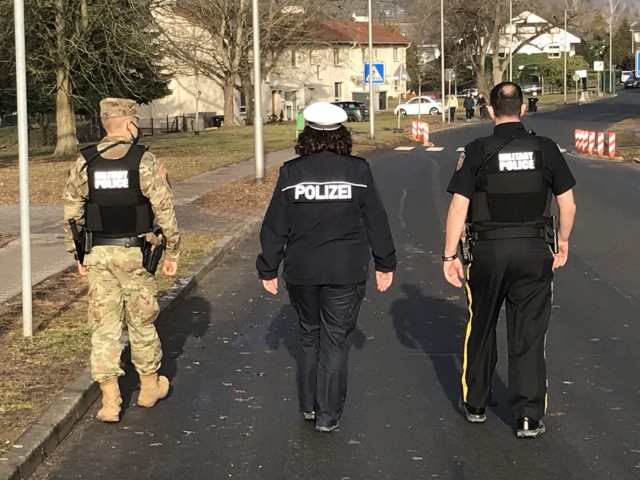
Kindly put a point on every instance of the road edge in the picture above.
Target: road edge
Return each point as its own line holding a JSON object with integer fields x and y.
{"x": 40, "y": 440}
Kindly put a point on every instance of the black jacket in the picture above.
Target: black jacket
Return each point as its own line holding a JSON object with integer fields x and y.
{"x": 325, "y": 220}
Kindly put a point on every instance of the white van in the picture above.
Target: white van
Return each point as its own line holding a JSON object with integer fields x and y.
{"x": 624, "y": 76}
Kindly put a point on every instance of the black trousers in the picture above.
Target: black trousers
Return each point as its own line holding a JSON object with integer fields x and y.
{"x": 328, "y": 315}
{"x": 517, "y": 272}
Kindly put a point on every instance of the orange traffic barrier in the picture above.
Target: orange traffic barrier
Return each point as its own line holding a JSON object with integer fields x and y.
{"x": 414, "y": 130}
{"x": 592, "y": 143}
{"x": 424, "y": 129}
{"x": 612, "y": 144}
{"x": 600, "y": 145}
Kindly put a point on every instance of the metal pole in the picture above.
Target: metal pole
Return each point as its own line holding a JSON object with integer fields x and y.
{"x": 371, "y": 92}
{"x": 610, "y": 55}
{"x": 257, "y": 97}
{"x": 442, "y": 56}
{"x": 23, "y": 159}
{"x": 565, "y": 56}
{"x": 510, "y": 40}
{"x": 196, "y": 129}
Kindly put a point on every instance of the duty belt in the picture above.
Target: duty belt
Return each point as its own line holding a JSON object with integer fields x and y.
{"x": 119, "y": 242}
{"x": 509, "y": 232}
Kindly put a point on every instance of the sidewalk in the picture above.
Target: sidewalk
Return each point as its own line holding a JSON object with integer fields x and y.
{"x": 48, "y": 252}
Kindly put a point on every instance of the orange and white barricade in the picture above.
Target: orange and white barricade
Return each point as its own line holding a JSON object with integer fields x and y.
{"x": 592, "y": 143}
{"x": 424, "y": 133}
{"x": 612, "y": 144}
{"x": 600, "y": 144}
{"x": 576, "y": 139}
{"x": 415, "y": 132}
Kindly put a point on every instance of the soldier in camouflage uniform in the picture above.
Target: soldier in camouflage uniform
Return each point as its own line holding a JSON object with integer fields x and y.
{"x": 116, "y": 190}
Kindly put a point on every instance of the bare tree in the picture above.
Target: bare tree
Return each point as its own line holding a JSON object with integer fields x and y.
{"x": 80, "y": 50}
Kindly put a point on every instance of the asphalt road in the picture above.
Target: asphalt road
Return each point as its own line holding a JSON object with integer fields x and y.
{"x": 229, "y": 350}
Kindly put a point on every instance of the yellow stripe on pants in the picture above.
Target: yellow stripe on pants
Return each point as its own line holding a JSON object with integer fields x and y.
{"x": 465, "y": 388}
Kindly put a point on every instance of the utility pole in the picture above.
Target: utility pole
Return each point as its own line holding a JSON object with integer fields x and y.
{"x": 257, "y": 97}
{"x": 371, "y": 92}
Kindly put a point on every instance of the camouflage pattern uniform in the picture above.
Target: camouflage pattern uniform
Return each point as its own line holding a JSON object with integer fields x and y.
{"x": 117, "y": 279}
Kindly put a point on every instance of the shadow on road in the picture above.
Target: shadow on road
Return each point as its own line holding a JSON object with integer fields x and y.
{"x": 437, "y": 327}
{"x": 174, "y": 336}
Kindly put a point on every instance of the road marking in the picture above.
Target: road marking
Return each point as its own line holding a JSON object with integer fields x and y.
{"x": 460, "y": 149}
{"x": 563, "y": 150}
{"x": 435, "y": 149}
{"x": 404, "y": 149}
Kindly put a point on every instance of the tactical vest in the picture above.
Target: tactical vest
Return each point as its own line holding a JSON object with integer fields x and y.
{"x": 511, "y": 189}
{"x": 116, "y": 206}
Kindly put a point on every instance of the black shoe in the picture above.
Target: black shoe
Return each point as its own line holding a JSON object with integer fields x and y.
{"x": 529, "y": 428}
{"x": 332, "y": 428}
{"x": 472, "y": 414}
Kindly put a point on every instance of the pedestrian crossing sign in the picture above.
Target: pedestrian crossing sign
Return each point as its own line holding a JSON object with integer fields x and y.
{"x": 378, "y": 73}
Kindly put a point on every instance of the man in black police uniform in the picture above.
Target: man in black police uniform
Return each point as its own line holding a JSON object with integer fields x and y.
{"x": 325, "y": 220}
{"x": 503, "y": 185}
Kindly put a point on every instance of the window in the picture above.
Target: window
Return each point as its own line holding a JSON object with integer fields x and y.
{"x": 319, "y": 72}
{"x": 395, "y": 54}
{"x": 293, "y": 58}
{"x": 396, "y": 85}
{"x": 337, "y": 90}
{"x": 554, "y": 51}
{"x": 336, "y": 56}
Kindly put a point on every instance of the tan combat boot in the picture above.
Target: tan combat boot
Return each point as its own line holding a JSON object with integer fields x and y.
{"x": 153, "y": 387}
{"x": 111, "y": 400}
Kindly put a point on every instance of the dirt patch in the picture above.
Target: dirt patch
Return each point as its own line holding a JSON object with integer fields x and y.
{"x": 6, "y": 238}
{"x": 242, "y": 196}
{"x": 628, "y": 138}
{"x": 35, "y": 370}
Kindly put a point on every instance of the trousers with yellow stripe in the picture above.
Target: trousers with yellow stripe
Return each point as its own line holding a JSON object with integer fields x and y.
{"x": 517, "y": 273}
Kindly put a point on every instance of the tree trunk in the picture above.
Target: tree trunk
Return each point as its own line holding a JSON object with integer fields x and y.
{"x": 498, "y": 69}
{"x": 247, "y": 90}
{"x": 67, "y": 143}
{"x": 229, "y": 90}
{"x": 44, "y": 129}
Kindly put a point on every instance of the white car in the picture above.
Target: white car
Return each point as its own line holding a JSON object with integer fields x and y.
{"x": 625, "y": 75}
{"x": 419, "y": 105}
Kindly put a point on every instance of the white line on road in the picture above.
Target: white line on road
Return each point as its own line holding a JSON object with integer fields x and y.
{"x": 460, "y": 149}
{"x": 404, "y": 149}
{"x": 435, "y": 149}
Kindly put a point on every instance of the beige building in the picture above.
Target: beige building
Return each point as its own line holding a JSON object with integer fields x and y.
{"x": 328, "y": 68}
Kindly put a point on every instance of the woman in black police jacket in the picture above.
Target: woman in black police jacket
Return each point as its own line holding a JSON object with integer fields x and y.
{"x": 324, "y": 222}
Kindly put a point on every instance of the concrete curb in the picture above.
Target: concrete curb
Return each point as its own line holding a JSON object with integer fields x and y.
{"x": 40, "y": 440}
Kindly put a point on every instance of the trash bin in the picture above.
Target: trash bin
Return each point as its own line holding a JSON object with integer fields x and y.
{"x": 533, "y": 104}
{"x": 300, "y": 122}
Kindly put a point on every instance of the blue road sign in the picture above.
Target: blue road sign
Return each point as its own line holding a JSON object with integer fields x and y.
{"x": 378, "y": 73}
{"x": 637, "y": 63}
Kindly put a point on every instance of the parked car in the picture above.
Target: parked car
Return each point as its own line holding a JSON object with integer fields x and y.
{"x": 356, "y": 111}
{"x": 463, "y": 93}
{"x": 422, "y": 105}
{"x": 632, "y": 82}
{"x": 529, "y": 88}
{"x": 625, "y": 75}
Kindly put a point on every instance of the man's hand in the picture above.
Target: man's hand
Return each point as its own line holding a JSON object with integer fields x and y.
{"x": 453, "y": 272}
{"x": 271, "y": 286}
{"x": 169, "y": 268}
{"x": 82, "y": 270}
{"x": 560, "y": 258}
{"x": 383, "y": 280}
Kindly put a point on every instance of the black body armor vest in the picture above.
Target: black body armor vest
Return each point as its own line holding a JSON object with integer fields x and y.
{"x": 511, "y": 189}
{"x": 116, "y": 206}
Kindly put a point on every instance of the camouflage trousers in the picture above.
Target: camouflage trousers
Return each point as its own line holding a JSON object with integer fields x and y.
{"x": 121, "y": 290}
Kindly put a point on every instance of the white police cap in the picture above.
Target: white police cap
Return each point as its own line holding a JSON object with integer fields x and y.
{"x": 324, "y": 116}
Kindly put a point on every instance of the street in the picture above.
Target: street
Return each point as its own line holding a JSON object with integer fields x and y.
{"x": 229, "y": 351}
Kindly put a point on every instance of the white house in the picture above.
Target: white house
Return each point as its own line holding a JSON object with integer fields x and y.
{"x": 329, "y": 67}
{"x": 553, "y": 40}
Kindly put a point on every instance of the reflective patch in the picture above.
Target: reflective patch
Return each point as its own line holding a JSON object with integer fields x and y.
{"x": 463, "y": 155}
{"x": 516, "y": 161}
{"x": 111, "y": 180}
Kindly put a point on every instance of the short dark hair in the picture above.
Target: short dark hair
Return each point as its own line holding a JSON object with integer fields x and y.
{"x": 506, "y": 99}
{"x": 312, "y": 140}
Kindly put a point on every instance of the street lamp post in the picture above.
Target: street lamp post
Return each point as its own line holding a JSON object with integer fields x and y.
{"x": 611, "y": 54}
{"x": 510, "y": 40}
{"x": 371, "y": 106}
{"x": 564, "y": 47}
{"x": 257, "y": 97}
{"x": 442, "y": 58}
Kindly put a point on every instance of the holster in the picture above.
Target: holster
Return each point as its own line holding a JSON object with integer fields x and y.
{"x": 551, "y": 233}
{"x": 151, "y": 253}
{"x": 466, "y": 243}
{"x": 82, "y": 240}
